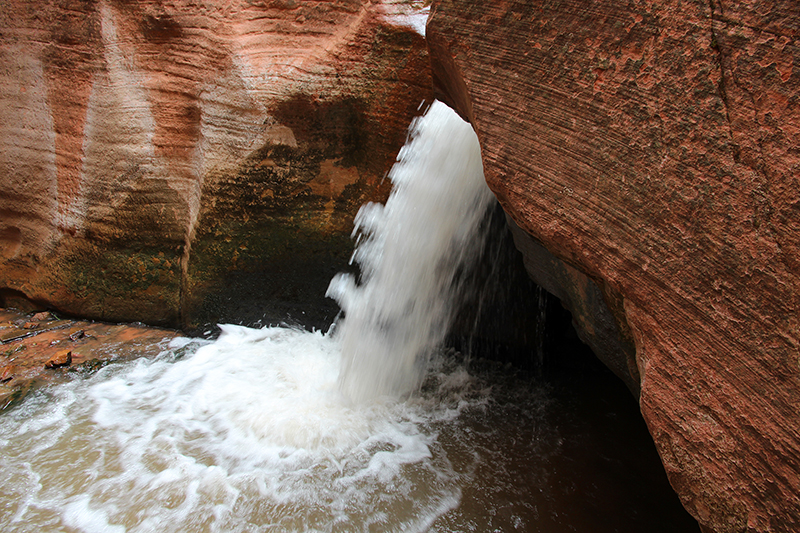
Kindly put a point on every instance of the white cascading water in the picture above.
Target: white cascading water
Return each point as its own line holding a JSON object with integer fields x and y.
{"x": 366, "y": 429}
{"x": 409, "y": 251}
{"x": 268, "y": 429}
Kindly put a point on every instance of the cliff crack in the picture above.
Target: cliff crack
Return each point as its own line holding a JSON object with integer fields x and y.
{"x": 721, "y": 87}
{"x": 750, "y": 152}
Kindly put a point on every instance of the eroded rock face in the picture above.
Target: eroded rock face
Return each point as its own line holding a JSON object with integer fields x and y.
{"x": 151, "y": 152}
{"x": 655, "y": 148}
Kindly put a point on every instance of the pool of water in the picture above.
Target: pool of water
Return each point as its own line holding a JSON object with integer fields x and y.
{"x": 248, "y": 433}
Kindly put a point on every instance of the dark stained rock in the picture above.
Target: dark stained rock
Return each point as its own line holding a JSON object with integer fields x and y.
{"x": 153, "y": 156}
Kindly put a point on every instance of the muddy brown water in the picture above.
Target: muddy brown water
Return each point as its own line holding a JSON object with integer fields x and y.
{"x": 556, "y": 451}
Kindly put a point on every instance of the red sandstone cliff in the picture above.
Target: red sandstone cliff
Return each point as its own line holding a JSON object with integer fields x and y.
{"x": 654, "y": 148}
{"x": 151, "y": 150}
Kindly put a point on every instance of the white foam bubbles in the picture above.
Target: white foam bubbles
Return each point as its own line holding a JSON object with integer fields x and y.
{"x": 274, "y": 429}
{"x": 248, "y": 433}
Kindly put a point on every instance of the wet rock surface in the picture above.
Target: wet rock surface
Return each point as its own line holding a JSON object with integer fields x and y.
{"x": 35, "y": 356}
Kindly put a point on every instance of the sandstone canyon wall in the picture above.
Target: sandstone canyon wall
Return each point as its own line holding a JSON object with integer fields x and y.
{"x": 653, "y": 149}
{"x": 170, "y": 161}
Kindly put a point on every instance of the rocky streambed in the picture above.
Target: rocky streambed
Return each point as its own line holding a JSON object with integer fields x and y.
{"x": 37, "y": 348}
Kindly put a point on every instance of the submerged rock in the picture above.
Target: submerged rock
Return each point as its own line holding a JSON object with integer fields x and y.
{"x": 653, "y": 150}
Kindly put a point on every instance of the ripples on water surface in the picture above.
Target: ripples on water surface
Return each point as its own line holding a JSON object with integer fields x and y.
{"x": 248, "y": 433}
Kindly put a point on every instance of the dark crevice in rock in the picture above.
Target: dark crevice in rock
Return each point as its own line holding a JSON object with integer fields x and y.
{"x": 525, "y": 307}
{"x": 715, "y": 45}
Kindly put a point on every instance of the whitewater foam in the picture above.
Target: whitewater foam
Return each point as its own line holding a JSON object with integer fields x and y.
{"x": 278, "y": 429}
{"x": 246, "y": 429}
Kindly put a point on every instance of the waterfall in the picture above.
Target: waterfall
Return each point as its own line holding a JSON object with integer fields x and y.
{"x": 271, "y": 426}
{"x": 284, "y": 430}
{"x": 410, "y": 252}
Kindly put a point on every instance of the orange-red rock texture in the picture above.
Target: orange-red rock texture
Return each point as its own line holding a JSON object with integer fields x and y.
{"x": 155, "y": 155}
{"x": 39, "y": 349}
{"x": 655, "y": 148}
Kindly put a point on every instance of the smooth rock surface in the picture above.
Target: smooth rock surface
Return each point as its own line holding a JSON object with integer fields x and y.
{"x": 154, "y": 156}
{"x": 655, "y": 148}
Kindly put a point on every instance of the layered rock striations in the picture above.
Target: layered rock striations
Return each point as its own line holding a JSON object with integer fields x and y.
{"x": 653, "y": 149}
{"x": 157, "y": 155}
